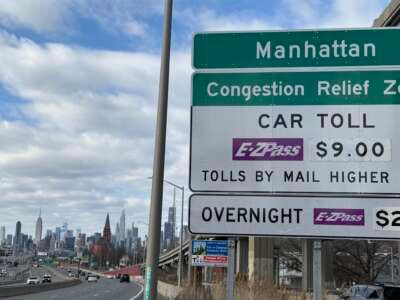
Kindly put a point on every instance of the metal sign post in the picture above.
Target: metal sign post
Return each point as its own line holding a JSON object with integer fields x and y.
{"x": 317, "y": 270}
{"x": 230, "y": 279}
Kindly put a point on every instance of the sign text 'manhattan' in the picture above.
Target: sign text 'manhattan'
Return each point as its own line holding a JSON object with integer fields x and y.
{"x": 336, "y": 49}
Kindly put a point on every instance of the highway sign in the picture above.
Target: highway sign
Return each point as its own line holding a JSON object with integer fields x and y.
{"x": 211, "y": 253}
{"x": 317, "y": 217}
{"x": 303, "y": 48}
{"x": 296, "y": 132}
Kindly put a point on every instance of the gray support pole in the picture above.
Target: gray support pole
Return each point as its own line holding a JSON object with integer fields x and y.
{"x": 317, "y": 271}
{"x": 181, "y": 241}
{"x": 190, "y": 269}
{"x": 398, "y": 262}
{"x": 153, "y": 249}
{"x": 230, "y": 280}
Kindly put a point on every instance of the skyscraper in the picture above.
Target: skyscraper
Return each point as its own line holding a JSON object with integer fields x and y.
{"x": 17, "y": 245}
{"x": 2, "y": 235}
{"x": 107, "y": 230}
{"x": 58, "y": 234}
{"x": 39, "y": 229}
{"x": 9, "y": 239}
{"x": 117, "y": 234}
{"x": 122, "y": 226}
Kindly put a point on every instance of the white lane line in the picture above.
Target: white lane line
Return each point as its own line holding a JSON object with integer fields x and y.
{"x": 140, "y": 292}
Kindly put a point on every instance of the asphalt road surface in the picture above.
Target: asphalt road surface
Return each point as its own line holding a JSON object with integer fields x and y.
{"x": 104, "y": 289}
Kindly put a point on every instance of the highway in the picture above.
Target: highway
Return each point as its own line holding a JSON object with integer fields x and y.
{"x": 104, "y": 289}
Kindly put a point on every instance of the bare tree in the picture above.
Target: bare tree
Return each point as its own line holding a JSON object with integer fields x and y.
{"x": 359, "y": 261}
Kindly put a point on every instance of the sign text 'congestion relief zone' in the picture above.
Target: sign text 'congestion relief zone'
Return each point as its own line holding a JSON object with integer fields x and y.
{"x": 277, "y": 49}
{"x": 333, "y": 131}
{"x": 375, "y": 218}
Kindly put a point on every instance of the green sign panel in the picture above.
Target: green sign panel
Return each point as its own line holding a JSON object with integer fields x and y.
{"x": 277, "y": 49}
{"x": 296, "y": 88}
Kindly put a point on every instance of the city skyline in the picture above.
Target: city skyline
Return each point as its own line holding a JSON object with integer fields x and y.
{"x": 76, "y": 228}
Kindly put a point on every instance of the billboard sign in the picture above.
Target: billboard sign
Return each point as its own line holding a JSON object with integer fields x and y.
{"x": 211, "y": 253}
{"x": 314, "y": 217}
{"x": 310, "y": 132}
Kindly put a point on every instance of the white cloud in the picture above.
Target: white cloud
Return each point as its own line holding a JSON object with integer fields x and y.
{"x": 135, "y": 28}
{"x": 328, "y": 14}
{"x": 209, "y": 20}
{"x": 90, "y": 146}
{"x": 41, "y": 16}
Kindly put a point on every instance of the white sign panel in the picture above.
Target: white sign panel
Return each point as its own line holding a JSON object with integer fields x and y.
{"x": 319, "y": 148}
{"x": 370, "y": 218}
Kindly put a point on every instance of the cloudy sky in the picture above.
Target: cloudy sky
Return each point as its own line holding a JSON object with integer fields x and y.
{"x": 78, "y": 94}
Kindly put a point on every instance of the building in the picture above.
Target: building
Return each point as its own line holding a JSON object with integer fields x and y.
{"x": 58, "y": 233}
{"x": 52, "y": 244}
{"x": 168, "y": 235}
{"x": 17, "y": 243}
{"x": 390, "y": 17}
{"x": 117, "y": 235}
{"x": 169, "y": 229}
{"x": 107, "y": 230}
{"x": 2, "y": 235}
{"x": 70, "y": 243}
{"x": 9, "y": 239}
{"x": 122, "y": 227}
{"x": 102, "y": 249}
{"x": 38, "y": 229}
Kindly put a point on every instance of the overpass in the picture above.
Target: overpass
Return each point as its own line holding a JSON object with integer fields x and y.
{"x": 172, "y": 257}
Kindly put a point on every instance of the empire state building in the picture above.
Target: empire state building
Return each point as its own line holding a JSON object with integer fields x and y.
{"x": 39, "y": 228}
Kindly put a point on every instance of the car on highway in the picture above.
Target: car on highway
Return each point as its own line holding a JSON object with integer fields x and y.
{"x": 3, "y": 273}
{"x": 87, "y": 275}
{"x": 124, "y": 278}
{"x": 92, "y": 278}
{"x": 46, "y": 278}
{"x": 33, "y": 280}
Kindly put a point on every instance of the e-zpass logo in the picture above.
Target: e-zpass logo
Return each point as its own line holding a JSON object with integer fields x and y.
{"x": 267, "y": 149}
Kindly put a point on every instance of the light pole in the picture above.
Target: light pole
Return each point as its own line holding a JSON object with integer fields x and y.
{"x": 153, "y": 249}
{"x": 180, "y": 264}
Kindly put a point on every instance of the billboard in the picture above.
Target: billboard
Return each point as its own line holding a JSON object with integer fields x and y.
{"x": 211, "y": 253}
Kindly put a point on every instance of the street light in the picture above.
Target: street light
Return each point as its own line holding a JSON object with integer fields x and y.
{"x": 180, "y": 264}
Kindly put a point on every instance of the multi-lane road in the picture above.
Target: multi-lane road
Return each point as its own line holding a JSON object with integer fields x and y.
{"x": 104, "y": 289}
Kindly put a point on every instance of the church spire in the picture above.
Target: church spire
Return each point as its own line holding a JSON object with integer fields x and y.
{"x": 107, "y": 229}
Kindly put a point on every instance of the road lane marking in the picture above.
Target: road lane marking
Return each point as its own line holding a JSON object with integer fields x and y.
{"x": 140, "y": 292}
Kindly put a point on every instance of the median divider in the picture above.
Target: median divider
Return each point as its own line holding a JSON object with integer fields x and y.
{"x": 31, "y": 289}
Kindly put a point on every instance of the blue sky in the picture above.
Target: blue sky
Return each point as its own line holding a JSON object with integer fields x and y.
{"x": 78, "y": 92}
